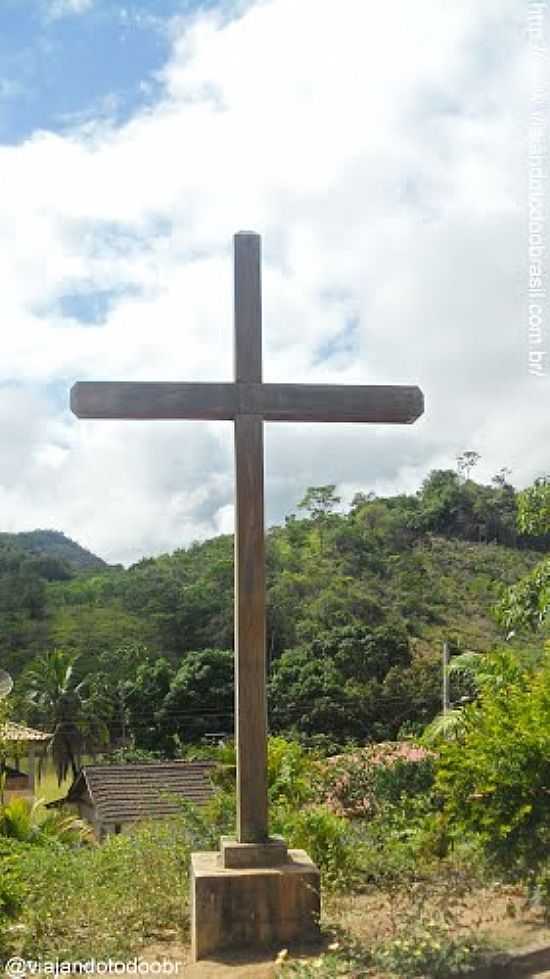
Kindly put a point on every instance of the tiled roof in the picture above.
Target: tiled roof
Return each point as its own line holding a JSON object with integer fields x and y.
{"x": 19, "y": 732}
{"x": 124, "y": 793}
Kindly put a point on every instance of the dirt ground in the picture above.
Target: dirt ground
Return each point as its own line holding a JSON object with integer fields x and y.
{"x": 501, "y": 912}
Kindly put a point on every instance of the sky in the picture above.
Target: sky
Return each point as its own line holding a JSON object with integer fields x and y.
{"x": 381, "y": 152}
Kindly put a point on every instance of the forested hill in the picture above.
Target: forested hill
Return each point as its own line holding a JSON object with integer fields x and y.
{"x": 55, "y": 545}
{"x": 362, "y": 597}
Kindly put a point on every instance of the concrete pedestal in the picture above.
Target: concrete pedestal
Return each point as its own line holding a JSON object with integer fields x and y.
{"x": 238, "y": 856}
{"x": 255, "y": 907}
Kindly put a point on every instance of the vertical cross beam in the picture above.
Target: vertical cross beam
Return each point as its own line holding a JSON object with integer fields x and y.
{"x": 250, "y": 640}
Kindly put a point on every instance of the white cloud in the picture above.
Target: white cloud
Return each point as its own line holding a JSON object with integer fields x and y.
{"x": 376, "y": 149}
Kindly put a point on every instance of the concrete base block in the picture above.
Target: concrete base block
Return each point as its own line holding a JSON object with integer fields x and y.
{"x": 234, "y": 855}
{"x": 253, "y": 908}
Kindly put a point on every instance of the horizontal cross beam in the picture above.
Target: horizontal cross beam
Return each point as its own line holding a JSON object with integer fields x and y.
{"x": 397, "y": 404}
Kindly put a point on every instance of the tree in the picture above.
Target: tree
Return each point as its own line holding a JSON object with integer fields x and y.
{"x": 375, "y": 528}
{"x": 320, "y": 502}
{"x": 528, "y": 602}
{"x": 200, "y": 699}
{"x": 335, "y": 685}
{"x": 466, "y": 462}
{"x": 364, "y": 653}
{"x": 309, "y": 694}
{"x": 500, "y": 479}
{"x": 360, "y": 499}
{"x": 534, "y": 507}
{"x": 441, "y": 503}
{"x": 113, "y": 682}
{"x": 144, "y": 697}
{"x": 494, "y": 778}
{"x": 455, "y": 506}
{"x": 59, "y": 702}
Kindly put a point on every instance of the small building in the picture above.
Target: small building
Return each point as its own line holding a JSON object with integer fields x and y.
{"x": 20, "y": 741}
{"x": 114, "y": 797}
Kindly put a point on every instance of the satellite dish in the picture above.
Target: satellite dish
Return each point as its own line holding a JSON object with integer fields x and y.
{"x": 6, "y": 684}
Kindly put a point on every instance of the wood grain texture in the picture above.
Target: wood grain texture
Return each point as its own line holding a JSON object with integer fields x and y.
{"x": 248, "y": 307}
{"x": 136, "y": 399}
{"x": 250, "y": 642}
{"x": 390, "y": 404}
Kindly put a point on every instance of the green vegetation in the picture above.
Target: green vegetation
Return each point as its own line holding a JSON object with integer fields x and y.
{"x": 528, "y": 603}
{"x": 494, "y": 776}
{"x": 413, "y": 813}
{"x": 57, "y": 699}
{"x": 56, "y": 554}
{"x": 64, "y": 898}
{"x": 76, "y": 902}
{"x": 30, "y": 822}
{"x": 358, "y": 605}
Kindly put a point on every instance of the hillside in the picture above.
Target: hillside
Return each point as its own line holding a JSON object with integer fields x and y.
{"x": 54, "y": 544}
{"x": 436, "y": 589}
{"x": 358, "y": 605}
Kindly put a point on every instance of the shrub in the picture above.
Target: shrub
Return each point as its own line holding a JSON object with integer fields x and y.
{"x": 343, "y": 958}
{"x": 104, "y": 901}
{"x": 403, "y": 777}
{"x": 330, "y": 841}
{"x": 31, "y": 822}
{"x": 429, "y": 949}
{"x": 428, "y": 936}
{"x": 363, "y": 783}
{"x": 403, "y": 842}
{"x": 425, "y": 949}
{"x": 292, "y": 772}
{"x": 494, "y": 778}
{"x": 12, "y": 891}
{"x": 12, "y": 853}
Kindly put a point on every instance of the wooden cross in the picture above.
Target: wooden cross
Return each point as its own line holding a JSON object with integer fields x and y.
{"x": 248, "y": 402}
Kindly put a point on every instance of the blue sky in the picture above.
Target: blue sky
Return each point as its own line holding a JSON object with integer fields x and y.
{"x": 60, "y": 66}
{"x": 378, "y": 149}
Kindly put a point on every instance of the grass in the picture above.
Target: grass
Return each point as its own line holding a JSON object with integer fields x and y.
{"x": 131, "y": 894}
{"x": 47, "y": 788}
{"x": 401, "y": 897}
{"x": 103, "y": 900}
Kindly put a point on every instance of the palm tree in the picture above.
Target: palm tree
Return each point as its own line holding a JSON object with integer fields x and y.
{"x": 31, "y": 822}
{"x": 59, "y": 702}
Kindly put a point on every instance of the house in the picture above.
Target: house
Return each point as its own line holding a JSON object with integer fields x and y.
{"x": 18, "y": 740}
{"x": 113, "y": 797}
